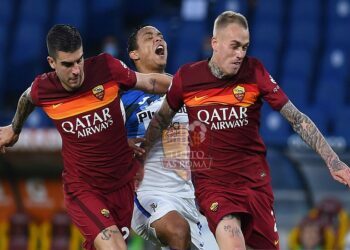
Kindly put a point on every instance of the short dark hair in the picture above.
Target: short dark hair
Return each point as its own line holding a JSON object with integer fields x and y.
{"x": 63, "y": 37}
{"x": 132, "y": 40}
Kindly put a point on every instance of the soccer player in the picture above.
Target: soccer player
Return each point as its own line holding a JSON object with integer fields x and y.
{"x": 164, "y": 209}
{"x": 82, "y": 98}
{"x": 223, "y": 98}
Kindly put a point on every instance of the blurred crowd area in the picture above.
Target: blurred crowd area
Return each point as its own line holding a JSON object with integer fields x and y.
{"x": 305, "y": 45}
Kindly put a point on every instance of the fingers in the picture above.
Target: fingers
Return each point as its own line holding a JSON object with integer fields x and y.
{"x": 3, "y": 150}
{"x": 138, "y": 151}
{"x": 342, "y": 176}
{"x": 139, "y": 140}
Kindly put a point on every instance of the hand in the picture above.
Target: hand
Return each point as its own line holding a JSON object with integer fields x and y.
{"x": 7, "y": 138}
{"x": 341, "y": 173}
{"x": 133, "y": 143}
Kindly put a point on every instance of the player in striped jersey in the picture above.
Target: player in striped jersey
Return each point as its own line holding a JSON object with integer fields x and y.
{"x": 165, "y": 210}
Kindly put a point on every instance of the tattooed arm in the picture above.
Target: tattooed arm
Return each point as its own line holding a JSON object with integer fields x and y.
{"x": 153, "y": 83}
{"x": 308, "y": 131}
{"x": 9, "y": 134}
{"x": 159, "y": 122}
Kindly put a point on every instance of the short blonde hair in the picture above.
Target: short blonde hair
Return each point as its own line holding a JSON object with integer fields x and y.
{"x": 227, "y": 18}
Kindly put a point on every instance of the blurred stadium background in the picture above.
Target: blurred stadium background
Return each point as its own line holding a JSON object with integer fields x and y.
{"x": 305, "y": 44}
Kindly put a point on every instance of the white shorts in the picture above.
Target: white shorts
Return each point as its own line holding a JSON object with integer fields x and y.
{"x": 151, "y": 207}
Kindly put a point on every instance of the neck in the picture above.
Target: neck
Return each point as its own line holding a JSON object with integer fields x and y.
{"x": 216, "y": 71}
{"x": 146, "y": 70}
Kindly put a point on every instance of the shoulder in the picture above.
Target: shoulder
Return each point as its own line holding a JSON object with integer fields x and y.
{"x": 192, "y": 73}
{"x": 193, "y": 67}
{"x": 254, "y": 64}
{"x": 104, "y": 58}
{"x": 45, "y": 81}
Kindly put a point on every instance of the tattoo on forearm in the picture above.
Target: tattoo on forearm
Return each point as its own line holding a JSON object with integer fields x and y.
{"x": 160, "y": 121}
{"x": 107, "y": 233}
{"x": 336, "y": 164}
{"x": 308, "y": 131}
{"x": 24, "y": 108}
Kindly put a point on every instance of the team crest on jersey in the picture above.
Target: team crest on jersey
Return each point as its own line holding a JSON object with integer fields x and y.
{"x": 214, "y": 206}
{"x": 99, "y": 92}
{"x": 239, "y": 93}
{"x": 105, "y": 213}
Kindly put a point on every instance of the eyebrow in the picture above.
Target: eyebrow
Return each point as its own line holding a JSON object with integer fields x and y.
{"x": 238, "y": 42}
{"x": 151, "y": 33}
{"x": 69, "y": 63}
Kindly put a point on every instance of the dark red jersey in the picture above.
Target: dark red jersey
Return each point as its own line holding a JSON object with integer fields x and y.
{"x": 224, "y": 121}
{"x": 94, "y": 143}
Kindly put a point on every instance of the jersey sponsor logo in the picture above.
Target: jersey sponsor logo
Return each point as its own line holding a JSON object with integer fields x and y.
{"x": 89, "y": 124}
{"x": 54, "y": 106}
{"x": 224, "y": 118}
{"x": 144, "y": 115}
{"x": 105, "y": 212}
{"x": 99, "y": 92}
{"x": 239, "y": 93}
{"x": 147, "y": 115}
{"x": 214, "y": 206}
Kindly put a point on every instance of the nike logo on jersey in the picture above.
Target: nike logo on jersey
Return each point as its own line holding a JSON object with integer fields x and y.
{"x": 197, "y": 99}
{"x": 56, "y": 105}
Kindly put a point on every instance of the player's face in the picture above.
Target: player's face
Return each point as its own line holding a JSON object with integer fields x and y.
{"x": 152, "y": 49}
{"x": 230, "y": 47}
{"x": 69, "y": 68}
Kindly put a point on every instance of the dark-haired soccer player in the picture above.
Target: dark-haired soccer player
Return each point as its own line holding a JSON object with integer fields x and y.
{"x": 165, "y": 210}
{"x": 223, "y": 97}
{"x": 82, "y": 98}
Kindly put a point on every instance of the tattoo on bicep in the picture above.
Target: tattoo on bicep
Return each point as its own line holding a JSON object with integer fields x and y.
{"x": 235, "y": 231}
{"x": 107, "y": 233}
{"x": 24, "y": 108}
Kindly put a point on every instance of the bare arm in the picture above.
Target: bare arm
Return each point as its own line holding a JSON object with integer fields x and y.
{"x": 159, "y": 122}
{"x": 9, "y": 134}
{"x": 308, "y": 131}
{"x": 153, "y": 83}
{"x": 24, "y": 108}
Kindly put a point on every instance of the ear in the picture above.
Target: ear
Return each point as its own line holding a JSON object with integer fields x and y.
{"x": 214, "y": 43}
{"x": 134, "y": 55}
{"x": 51, "y": 62}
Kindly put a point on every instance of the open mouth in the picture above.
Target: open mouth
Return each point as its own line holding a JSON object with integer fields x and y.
{"x": 160, "y": 50}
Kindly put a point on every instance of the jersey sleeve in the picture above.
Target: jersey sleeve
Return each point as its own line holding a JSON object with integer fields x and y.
{"x": 269, "y": 88}
{"x": 34, "y": 92}
{"x": 175, "y": 93}
{"x": 121, "y": 73}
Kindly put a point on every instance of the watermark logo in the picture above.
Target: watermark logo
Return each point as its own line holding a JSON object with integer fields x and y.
{"x": 183, "y": 148}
